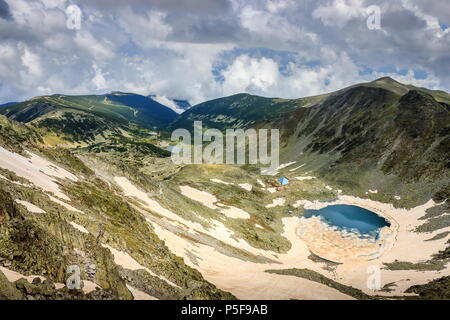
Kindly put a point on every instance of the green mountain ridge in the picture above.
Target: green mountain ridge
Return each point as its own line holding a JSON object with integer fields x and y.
{"x": 84, "y": 117}
{"x": 244, "y": 110}
{"x": 239, "y": 111}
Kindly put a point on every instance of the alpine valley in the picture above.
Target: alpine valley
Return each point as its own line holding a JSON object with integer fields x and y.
{"x": 88, "y": 181}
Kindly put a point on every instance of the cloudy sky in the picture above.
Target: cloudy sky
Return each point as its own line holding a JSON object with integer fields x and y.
{"x": 204, "y": 49}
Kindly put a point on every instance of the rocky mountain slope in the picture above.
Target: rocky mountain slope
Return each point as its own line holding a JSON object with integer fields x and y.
{"x": 56, "y": 212}
{"x": 374, "y": 136}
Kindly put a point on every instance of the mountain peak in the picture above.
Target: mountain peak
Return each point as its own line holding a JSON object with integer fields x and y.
{"x": 118, "y": 93}
{"x": 386, "y": 79}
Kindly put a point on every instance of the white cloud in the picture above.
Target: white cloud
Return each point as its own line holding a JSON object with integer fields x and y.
{"x": 204, "y": 51}
{"x": 96, "y": 48}
{"x": 432, "y": 22}
{"x": 145, "y": 28}
{"x": 50, "y": 4}
{"x": 99, "y": 79}
{"x": 248, "y": 74}
{"x": 44, "y": 90}
{"x": 268, "y": 28}
{"x": 36, "y": 17}
{"x": 277, "y": 5}
{"x": 168, "y": 103}
{"x": 32, "y": 62}
{"x": 263, "y": 76}
{"x": 339, "y": 12}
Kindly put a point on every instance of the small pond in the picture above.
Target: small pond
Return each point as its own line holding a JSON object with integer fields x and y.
{"x": 350, "y": 217}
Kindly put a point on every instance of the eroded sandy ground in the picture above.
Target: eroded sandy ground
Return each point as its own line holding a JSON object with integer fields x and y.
{"x": 248, "y": 280}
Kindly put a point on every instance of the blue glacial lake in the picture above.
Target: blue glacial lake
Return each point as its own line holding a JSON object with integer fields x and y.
{"x": 350, "y": 217}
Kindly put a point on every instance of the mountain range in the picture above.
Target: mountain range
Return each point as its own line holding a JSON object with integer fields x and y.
{"x": 380, "y": 128}
{"x": 86, "y": 180}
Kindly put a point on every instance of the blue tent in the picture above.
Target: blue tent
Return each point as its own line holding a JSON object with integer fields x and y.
{"x": 284, "y": 181}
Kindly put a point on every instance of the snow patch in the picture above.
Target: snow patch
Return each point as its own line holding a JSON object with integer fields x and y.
{"x": 297, "y": 167}
{"x": 37, "y": 170}
{"x": 235, "y": 213}
{"x": 285, "y": 165}
{"x": 220, "y": 181}
{"x": 65, "y": 205}
{"x": 246, "y": 186}
{"x": 271, "y": 190}
{"x": 79, "y": 227}
{"x": 203, "y": 197}
{"x": 276, "y": 202}
{"x": 305, "y": 178}
{"x": 30, "y": 207}
{"x": 89, "y": 286}
{"x": 262, "y": 184}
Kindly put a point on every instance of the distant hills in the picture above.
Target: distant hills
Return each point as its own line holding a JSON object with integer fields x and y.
{"x": 85, "y": 117}
{"x": 8, "y": 104}
{"x": 115, "y": 106}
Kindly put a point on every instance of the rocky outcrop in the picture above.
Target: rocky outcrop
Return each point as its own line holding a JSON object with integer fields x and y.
{"x": 8, "y": 291}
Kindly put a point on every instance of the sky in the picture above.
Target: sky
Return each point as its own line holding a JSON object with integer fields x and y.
{"x": 204, "y": 49}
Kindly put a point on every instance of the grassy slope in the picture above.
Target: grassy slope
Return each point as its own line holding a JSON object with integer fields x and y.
{"x": 434, "y": 290}
{"x": 317, "y": 277}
